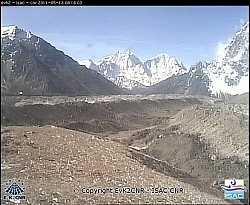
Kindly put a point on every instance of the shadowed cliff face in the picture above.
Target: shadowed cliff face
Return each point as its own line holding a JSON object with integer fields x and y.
{"x": 32, "y": 65}
{"x": 189, "y": 83}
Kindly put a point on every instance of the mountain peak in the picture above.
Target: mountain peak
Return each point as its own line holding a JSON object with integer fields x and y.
{"x": 127, "y": 71}
{"x": 117, "y": 52}
{"x": 246, "y": 25}
{"x": 228, "y": 73}
{"x": 244, "y": 29}
{"x": 162, "y": 55}
{"x": 13, "y": 31}
{"x": 8, "y": 30}
{"x": 33, "y": 66}
{"x": 129, "y": 52}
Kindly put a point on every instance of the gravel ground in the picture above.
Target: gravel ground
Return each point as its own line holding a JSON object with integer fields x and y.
{"x": 59, "y": 144}
{"x": 53, "y": 161}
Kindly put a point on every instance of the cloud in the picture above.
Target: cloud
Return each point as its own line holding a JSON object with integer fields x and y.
{"x": 221, "y": 50}
{"x": 221, "y": 47}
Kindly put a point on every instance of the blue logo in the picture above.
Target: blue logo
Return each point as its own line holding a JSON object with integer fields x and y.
{"x": 14, "y": 188}
{"x": 234, "y": 189}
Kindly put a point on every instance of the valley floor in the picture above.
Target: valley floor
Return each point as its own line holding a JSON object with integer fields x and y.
{"x": 67, "y": 146}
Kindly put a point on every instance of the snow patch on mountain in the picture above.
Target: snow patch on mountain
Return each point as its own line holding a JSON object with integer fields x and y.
{"x": 14, "y": 32}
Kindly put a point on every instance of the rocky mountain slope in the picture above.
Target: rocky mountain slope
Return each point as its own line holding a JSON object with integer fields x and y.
{"x": 187, "y": 84}
{"x": 127, "y": 71}
{"x": 225, "y": 75}
{"x": 228, "y": 74}
{"x": 35, "y": 67}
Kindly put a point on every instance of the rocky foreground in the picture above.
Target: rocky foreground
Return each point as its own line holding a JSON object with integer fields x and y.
{"x": 124, "y": 149}
{"x": 54, "y": 161}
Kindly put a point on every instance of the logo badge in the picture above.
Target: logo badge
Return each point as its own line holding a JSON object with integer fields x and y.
{"x": 234, "y": 189}
{"x": 14, "y": 187}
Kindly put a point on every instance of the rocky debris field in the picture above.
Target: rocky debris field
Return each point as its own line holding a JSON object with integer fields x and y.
{"x": 193, "y": 143}
{"x": 226, "y": 130}
{"x": 54, "y": 161}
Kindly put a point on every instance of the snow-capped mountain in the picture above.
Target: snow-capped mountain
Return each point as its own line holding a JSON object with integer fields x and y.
{"x": 36, "y": 67}
{"x": 32, "y": 66}
{"x": 127, "y": 71}
{"x": 229, "y": 72}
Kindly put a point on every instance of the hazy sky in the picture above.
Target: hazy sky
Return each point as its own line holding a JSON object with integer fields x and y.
{"x": 190, "y": 33}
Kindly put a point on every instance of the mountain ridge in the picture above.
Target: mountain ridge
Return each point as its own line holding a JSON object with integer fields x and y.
{"x": 227, "y": 74}
{"x": 135, "y": 72}
{"x": 35, "y": 67}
